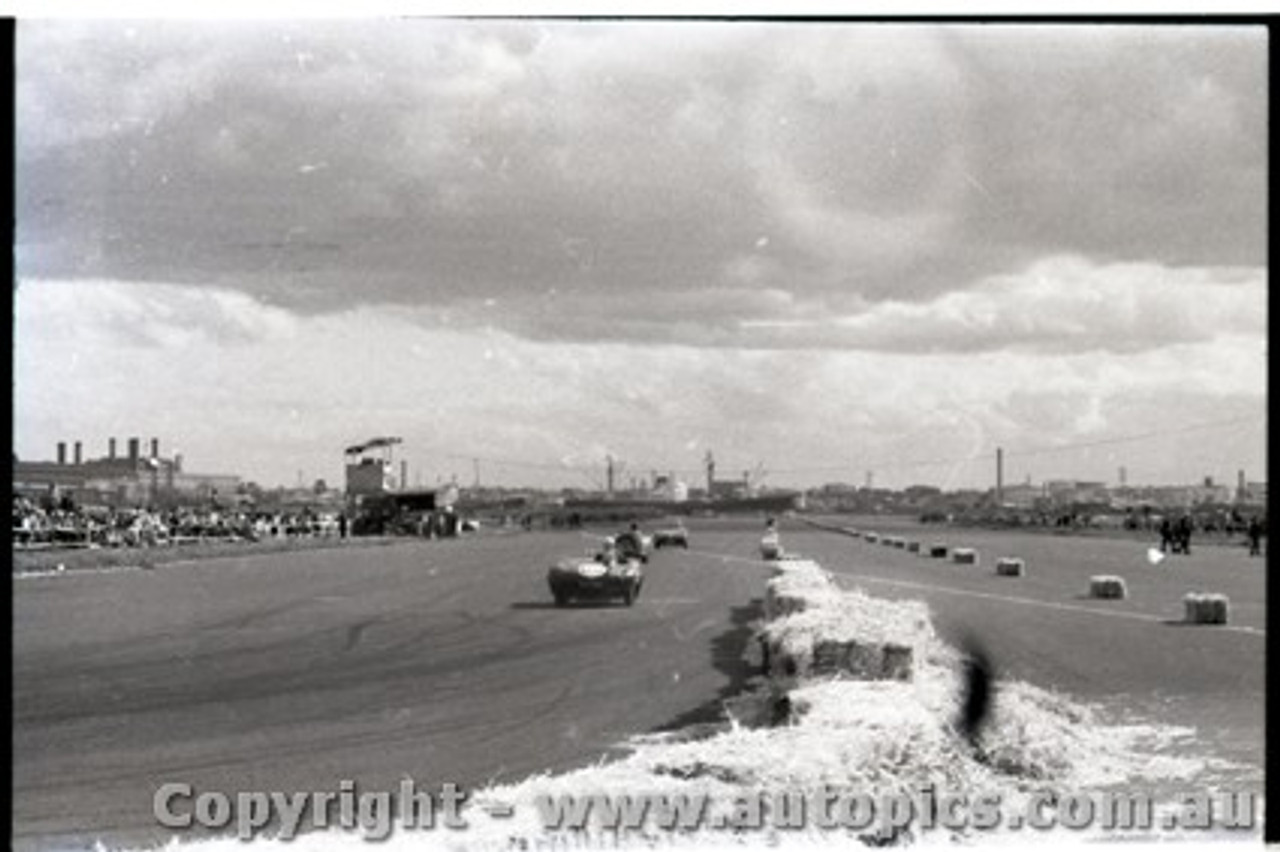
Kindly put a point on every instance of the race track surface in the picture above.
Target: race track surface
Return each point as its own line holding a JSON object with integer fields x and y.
{"x": 442, "y": 661}
{"x": 446, "y": 662}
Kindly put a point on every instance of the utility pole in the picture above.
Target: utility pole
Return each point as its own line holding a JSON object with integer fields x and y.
{"x": 609, "y": 474}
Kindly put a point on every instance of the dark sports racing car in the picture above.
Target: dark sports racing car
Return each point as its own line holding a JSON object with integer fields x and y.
{"x": 607, "y": 575}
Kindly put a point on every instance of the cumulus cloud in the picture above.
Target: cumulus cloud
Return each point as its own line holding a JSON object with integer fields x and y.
{"x": 816, "y": 245}
{"x": 435, "y": 162}
{"x": 271, "y": 399}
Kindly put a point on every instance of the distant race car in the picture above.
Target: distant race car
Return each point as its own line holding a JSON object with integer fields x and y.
{"x": 608, "y": 574}
{"x": 671, "y": 537}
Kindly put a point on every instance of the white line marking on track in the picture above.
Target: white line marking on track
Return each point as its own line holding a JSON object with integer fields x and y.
{"x": 1065, "y": 607}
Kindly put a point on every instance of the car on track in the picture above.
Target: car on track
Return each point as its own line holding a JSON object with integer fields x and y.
{"x": 676, "y": 536}
{"x": 608, "y": 574}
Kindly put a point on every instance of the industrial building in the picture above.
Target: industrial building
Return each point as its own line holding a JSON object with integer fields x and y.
{"x": 133, "y": 478}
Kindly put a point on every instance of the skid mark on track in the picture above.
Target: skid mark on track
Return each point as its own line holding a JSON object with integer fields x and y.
{"x": 355, "y": 632}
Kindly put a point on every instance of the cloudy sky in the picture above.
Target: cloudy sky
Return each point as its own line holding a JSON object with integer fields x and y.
{"x": 820, "y": 248}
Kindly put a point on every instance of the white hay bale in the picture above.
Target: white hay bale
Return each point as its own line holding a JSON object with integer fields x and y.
{"x": 887, "y": 540}
{"x": 1008, "y": 566}
{"x": 1107, "y": 586}
{"x": 790, "y": 661}
{"x": 913, "y": 547}
{"x": 861, "y": 661}
{"x": 871, "y": 537}
{"x": 938, "y": 551}
{"x": 964, "y": 556}
{"x": 1204, "y": 608}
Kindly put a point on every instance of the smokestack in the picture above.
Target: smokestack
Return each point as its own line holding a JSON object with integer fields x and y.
{"x": 155, "y": 448}
{"x": 177, "y": 463}
{"x": 62, "y": 452}
{"x": 79, "y": 457}
{"x": 133, "y": 449}
{"x": 1124, "y": 477}
{"x": 404, "y": 475}
{"x": 111, "y": 448}
{"x": 1240, "y": 487}
{"x": 999, "y": 476}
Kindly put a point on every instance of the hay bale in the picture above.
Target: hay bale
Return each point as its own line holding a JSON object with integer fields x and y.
{"x": 938, "y": 551}
{"x": 900, "y": 543}
{"x": 840, "y": 658}
{"x": 871, "y": 537}
{"x": 964, "y": 556}
{"x": 779, "y": 604}
{"x": 887, "y": 540}
{"x": 913, "y": 547}
{"x": 1008, "y": 566}
{"x": 1107, "y": 587}
{"x": 1204, "y": 608}
{"x": 861, "y": 660}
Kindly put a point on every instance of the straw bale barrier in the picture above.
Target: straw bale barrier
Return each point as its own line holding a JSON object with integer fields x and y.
{"x": 1008, "y": 566}
{"x": 1107, "y": 587}
{"x": 1204, "y": 608}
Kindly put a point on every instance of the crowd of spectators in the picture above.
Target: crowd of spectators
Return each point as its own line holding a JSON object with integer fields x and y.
{"x": 47, "y": 524}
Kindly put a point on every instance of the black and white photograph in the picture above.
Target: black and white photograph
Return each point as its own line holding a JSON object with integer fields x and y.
{"x": 540, "y": 432}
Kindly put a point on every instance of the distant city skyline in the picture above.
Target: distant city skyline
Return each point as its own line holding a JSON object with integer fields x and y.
{"x": 820, "y": 248}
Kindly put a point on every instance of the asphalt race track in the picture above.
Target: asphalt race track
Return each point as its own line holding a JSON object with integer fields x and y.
{"x": 443, "y": 661}
{"x": 446, "y": 661}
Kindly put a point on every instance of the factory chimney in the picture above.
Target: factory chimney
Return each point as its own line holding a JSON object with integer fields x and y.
{"x": 1240, "y": 485}
{"x": 111, "y": 448}
{"x": 155, "y": 448}
{"x": 999, "y": 476}
{"x": 62, "y": 452}
{"x": 133, "y": 449}
{"x": 79, "y": 457}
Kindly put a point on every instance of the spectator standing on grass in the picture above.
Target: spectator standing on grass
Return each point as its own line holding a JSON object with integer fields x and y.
{"x": 1255, "y": 536}
{"x": 1166, "y": 535}
{"x": 1184, "y": 534}
{"x": 342, "y": 524}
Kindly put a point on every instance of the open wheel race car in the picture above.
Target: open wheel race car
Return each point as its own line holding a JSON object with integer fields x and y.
{"x": 604, "y": 576}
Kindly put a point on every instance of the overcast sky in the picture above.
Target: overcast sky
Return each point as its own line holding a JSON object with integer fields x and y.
{"x": 823, "y": 248}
